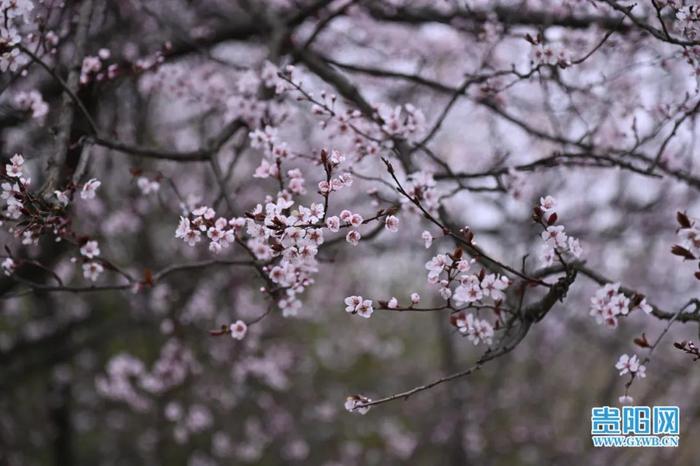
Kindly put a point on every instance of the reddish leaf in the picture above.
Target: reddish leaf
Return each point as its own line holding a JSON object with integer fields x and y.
{"x": 682, "y": 252}
{"x": 683, "y": 219}
{"x": 537, "y": 214}
{"x": 147, "y": 277}
{"x": 642, "y": 341}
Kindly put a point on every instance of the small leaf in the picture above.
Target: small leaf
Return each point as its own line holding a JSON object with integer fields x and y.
{"x": 682, "y": 252}
{"x": 537, "y": 214}
{"x": 147, "y": 277}
{"x": 642, "y": 341}
{"x": 683, "y": 219}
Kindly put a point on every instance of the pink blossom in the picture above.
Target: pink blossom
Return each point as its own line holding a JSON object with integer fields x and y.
{"x": 365, "y": 309}
{"x": 353, "y": 237}
{"x": 392, "y": 223}
{"x": 90, "y": 249}
{"x": 352, "y": 303}
{"x": 333, "y": 224}
{"x": 356, "y": 220}
{"x": 238, "y": 330}
{"x": 147, "y": 186}
{"x": 477, "y": 331}
{"x": 547, "y": 203}
{"x": 92, "y": 270}
{"x": 15, "y": 168}
{"x": 493, "y": 285}
{"x": 644, "y": 306}
{"x": 555, "y": 236}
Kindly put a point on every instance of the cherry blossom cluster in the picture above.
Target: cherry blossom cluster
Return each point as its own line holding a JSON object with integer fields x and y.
{"x": 326, "y": 107}
{"x": 406, "y": 122}
{"x": 93, "y": 67}
{"x": 421, "y": 186}
{"x": 273, "y": 232}
{"x": 338, "y": 122}
{"x": 117, "y": 383}
{"x": 87, "y": 191}
{"x": 273, "y": 150}
{"x": 244, "y": 102}
{"x": 609, "y": 304}
{"x": 197, "y": 418}
{"x": 347, "y": 218}
{"x": 474, "y": 288}
{"x": 689, "y": 20}
{"x": 13, "y": 190}
{"x": 632, "y": 365}
{"x": 128, "y": 380}
{"x": 445, "y": 270}
{"x": 270, "y": 77}
{"x": 251, "y": 80}
{"x": 147, "y": 185}
{"x": 14, "y": 13}
{"x": 92, "y": 268}
{"x": 476, "y": 330}
{"x": 358, "y": 305}
{"x": 293, "y": 238}
{"x": 39, "y": 218}
{"x": 221, "y": 232}
{"x": 372, "y": 133}
{"x": 21, "y": 204}
{"x": 547, "y": 54}
{"x": 557, "y": 244}
{"x": 33, "y": 102}
{"x": 344, "y": 180}
{"x": 282, "y": 235}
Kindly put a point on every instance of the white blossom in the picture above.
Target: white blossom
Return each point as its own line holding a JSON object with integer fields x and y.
{"x": 354, "y": 404}
{"x": 89, "y": 188}
{"x": 8, "y": 266}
